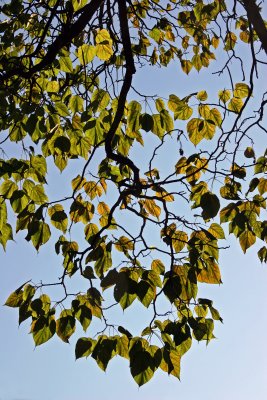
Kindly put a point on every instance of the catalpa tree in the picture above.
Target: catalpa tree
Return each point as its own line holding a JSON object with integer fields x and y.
{"x": 132, "y": 224}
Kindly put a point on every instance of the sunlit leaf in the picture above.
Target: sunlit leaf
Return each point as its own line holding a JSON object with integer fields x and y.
{"x": 246, "y": 240}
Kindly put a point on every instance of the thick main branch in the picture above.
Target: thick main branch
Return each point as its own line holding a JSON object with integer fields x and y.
{"x": 127, "y": 81}
{"x": 257, "y": 21}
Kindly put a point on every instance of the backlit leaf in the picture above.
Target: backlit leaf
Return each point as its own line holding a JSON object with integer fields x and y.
{"x": 246, "y": 240}
{"x": 65, "y": 325}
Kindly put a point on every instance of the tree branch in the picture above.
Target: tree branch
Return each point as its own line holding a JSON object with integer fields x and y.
{"x": 257, "y": 21}
{"x": 130, "y": 70}
{"x": 62, "y": 40}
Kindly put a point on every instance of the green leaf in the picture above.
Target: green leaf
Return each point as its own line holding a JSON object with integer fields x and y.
{"x": 38, "y": 163}
{"x": 262, "y": 186}
{"x": 179, "y": 240}
{"x": 105, "y": 350}
{"x": 124, "y": 244}
{"x": 43, "y": 329}
{"x": 198, "y": 129}
{"x": 6, "y": 234}
{"x": 94, "y": 131}
{"x": 217, "y": 231}
{"x": 166, "y": 121}
{"x": 133, "y": 116}
{"x": 174, "y": 102}
{"x": 210, "y": 205}
{"x": 110, "y": 279}
{"x": 35, "y": 192}
{"x": 66, "y": 64}
{"x": 158, "y": 128}
{"x": 203, "y": 329}
{"x": 84, "y": 315}
{"x": 7, "y": 189}
{"x": 99, "y": 100}
{"x": 262, "y": 254}
{"x": 201, "y": 310}
{"x": 249, "y": 152}
{"x": 76, "y": 104}
{"x": 28, "y": 292}
{"x": 3, "y": 213}
{"x": 171, "y": 360}
{"x": 142, "y": 365}
{"x": 123, "y": 345}
{"x": 146, "y": 292}
{"x": 61, "y": 161}
{"x": 52, "y": 86}
{"x": 63, "y": 144}
{"x": 19, "y": 200}
{"x": 84, "y": 347}
{"x": 125, "y": 290}
{"x": 86, "y": 53}
{"x": 215, "y": 314}
{"x": 103, "y": 45}
{"x": 90, "y": 231}
{"x": 61, "y": 109}
{"x": 15, "y": 299}
{"x": 65, "y": 325}
{"x": 39, "y": 233}
{"x": 147, "y": 122}
{"x": 175, "y": 358}
{"x": 58, "y": 217}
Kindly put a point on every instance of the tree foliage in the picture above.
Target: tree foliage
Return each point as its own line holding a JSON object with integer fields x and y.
{"x": 143, "y": 234}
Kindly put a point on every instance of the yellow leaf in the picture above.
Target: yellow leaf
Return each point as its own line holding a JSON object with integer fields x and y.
{"x": 78, "y": 182}
{"x": 202, "y": 95}
{"x": 215, "y": 42}
{"x": 241, "y": 90}
{"x": 152, "y": 208}
{"x": 181, "y": 166}
{"x": 197, "y": 62}
{"x": 179, "y": 240}
{"x": 103, "y": 45}
{"x": 182, "y": 111}
{"x": 245, "y": 36}
{"x": 198, "y": 129}
{"x": 52, "y": 86}
{"x": 103, "y": 208}
{"x": 262, "y": 186}
{"x": 210, "y": 274}
{"x": 224, "y": 95}
{"x": 86, "y": 53}
{"x": 124, "y": 244}
{"x": 235, "y": 105}
{"x": 186, "y": 66}
{"x": 92, "y": 189}
{"x": 246, "y": 240}
{"x": 204, "y": 111}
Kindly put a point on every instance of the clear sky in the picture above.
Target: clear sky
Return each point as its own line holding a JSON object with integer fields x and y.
{"x": 233, "y": 366}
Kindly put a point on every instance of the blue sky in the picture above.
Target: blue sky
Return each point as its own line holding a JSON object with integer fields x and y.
{"x": 233, "y": 366}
